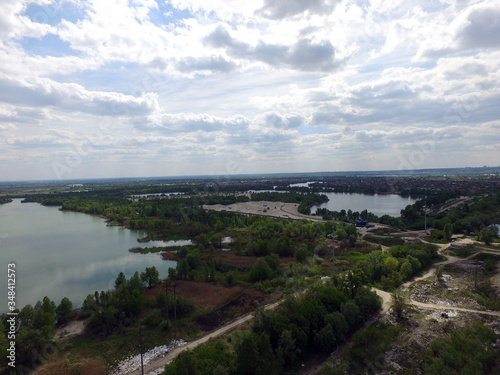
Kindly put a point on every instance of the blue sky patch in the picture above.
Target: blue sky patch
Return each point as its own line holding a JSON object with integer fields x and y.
{"x": 53, "y": 14}
{"x": 49, "y": 45}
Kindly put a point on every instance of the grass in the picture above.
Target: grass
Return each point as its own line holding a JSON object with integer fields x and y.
{"x": 385, "y": 240}
{"x": 462, "y": 252}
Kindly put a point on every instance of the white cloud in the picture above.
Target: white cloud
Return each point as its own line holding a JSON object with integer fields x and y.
{"x": 73, "y": 97}
{"x": 277, "y": 9}
{"x": 13, "y": 25}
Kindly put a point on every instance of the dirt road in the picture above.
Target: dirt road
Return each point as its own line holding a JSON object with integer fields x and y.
{"x": 446, "y": 307}
{"x": 169, "y": 357}
{"x": 386, "y": 299}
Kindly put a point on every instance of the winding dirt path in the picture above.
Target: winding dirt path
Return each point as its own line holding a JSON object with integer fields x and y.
{"x": 445, "y": 307}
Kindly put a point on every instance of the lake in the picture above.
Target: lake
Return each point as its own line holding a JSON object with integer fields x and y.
{"x": 65, "y": 254}
{"x": 389, "y": 204}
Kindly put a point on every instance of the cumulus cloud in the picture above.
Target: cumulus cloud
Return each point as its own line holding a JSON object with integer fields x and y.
{"x": 278, "y": 9}
{"x": 471, "y": 28}
{"x": 304, "y": 54}
{"x": 73, "y": 97}
{"x": 481, "y": 28}
{"x": 15, "y": 25}
{"x": 186, "y": 123}
{"x": 278, "y": 121}
{"x": 206, "y": 64}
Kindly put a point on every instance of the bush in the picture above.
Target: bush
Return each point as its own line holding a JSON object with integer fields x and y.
{"x": 489, "y": 264}
{"x": 153, "y": 319}
{"x": 228, "y": 279}
{"x": 260, "y": 271}
{"x": 301, "y": 254}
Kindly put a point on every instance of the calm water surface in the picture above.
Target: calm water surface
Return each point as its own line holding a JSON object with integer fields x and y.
{"x": 380, "y": 205}
{"x": 65, "y": 254}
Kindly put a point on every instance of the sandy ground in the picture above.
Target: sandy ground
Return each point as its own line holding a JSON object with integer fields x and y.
{"x": 73, "y": 328}
{"x": 264, "y": 208}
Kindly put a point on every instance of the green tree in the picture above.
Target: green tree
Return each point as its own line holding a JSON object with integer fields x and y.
{"x": 325, "y": 338}
{"x": 187, "y": 364}
{"x": 301, "y": 253}
{"x": 255, "y": 356}
{"x": 391, "y": 265}
{"x": 64, "y": 311}
{"x": 284, "y": 246}
{"x": 43, "y": 317}
{"x": 488, "y": 234}
{"x": 151, "y": 276}
{"x": 26, "y": 316}
{"x": 135, "y": 283}
{"x": 399, "y": 303}
{"x": 339, "y": 325}
{"x": 448, "y": 231}
{"x": 273, "y": 261}
{"x": 121, "y": 280}
{"x": 287, "y": 348}
{"x": 352, "y": 313}
{"x": 406, "y": 270}
{"x": 260, "y": 271}
{"x": 368, "y": 301}
{"x": 182, "y": 269}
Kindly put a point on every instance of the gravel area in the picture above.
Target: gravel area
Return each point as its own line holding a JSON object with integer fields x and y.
{"x": 134, "y": 363}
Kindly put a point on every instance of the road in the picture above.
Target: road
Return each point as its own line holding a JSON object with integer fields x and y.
{"x": 169, "y": 357}
{"x": 295, "y": 215}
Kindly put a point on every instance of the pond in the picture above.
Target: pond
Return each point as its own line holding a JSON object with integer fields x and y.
{"x": 66, "y": 254}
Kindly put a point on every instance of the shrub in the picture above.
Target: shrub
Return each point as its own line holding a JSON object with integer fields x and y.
{"x": 153, "y": 319}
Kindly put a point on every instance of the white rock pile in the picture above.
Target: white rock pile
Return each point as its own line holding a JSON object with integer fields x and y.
{"x": 133, "y": 363}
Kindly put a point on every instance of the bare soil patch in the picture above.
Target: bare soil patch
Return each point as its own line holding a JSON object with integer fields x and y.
{"x": 63, "y": 365}
{"x": 204, "y": 294}
{"x": 170, "y": 255}
{"x": 236, "y": 260}
{"x": 75, "y": 327}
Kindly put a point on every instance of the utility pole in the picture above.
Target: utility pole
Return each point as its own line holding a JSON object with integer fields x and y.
{"x": 140, "y": 347}
{"x": 175, "y": 312}
{"x": 425, "y": 214}
{"x": 333, "y": 249}
{"x": 166, "y": 300}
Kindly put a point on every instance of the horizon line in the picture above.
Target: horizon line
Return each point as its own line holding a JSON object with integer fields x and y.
{"x": 270, "y": 174}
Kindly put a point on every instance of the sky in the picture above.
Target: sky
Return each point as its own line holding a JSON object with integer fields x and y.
{"x": 139, "y": 88}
